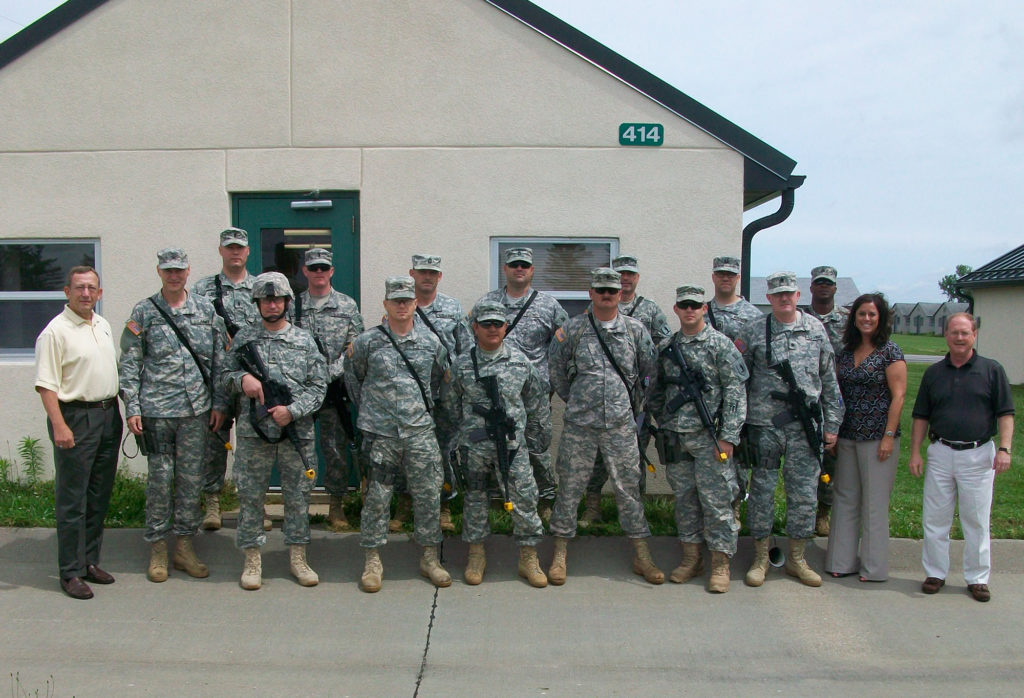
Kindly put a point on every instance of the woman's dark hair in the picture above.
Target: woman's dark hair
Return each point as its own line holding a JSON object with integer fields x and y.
{"x": 851, "y": 335}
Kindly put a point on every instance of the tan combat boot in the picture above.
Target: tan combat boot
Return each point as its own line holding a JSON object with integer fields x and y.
{"x": 252, "y": 570}
{"x": 821, "y": 521}
{"x": 211, "y": 520}
{"x": 403, "y": 513}
{"x": 642, "y": 563}
{"x": 691, "y": 566}
{"x": 336, "y": 520}
{"x": 759, "y": 566}
{"x": 446, "y": 519}
{"x": 796, "y": 565}
{"x": 529, "y": 567}
{"x": 300, "y": 569}
{"x": 719, "y": 581}
{"x": 556, "y": 573}
{"x": 592, "y": 510}
{"x": 430, "y": 567}
{"x": 157, "y": 571}
{"x": 476, "y": 564}
{"x": 185, "y": 559}
{"x": 373, "y": 572}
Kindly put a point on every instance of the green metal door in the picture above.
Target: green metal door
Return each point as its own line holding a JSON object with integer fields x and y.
{"x": 282, "y": 226}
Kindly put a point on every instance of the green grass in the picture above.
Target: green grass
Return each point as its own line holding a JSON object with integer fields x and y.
{"x": 25, "y": 504}
{"x": 921, "y": 344}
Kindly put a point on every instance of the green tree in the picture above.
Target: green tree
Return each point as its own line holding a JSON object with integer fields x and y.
{"x": 948, "y": 285}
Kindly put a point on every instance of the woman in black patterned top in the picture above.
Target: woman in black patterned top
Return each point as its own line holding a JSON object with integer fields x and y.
{"x": 873, "y": 381}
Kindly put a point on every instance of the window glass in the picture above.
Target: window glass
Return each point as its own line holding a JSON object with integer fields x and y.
{"x": 32, "y": 274}
{"x": 284, "y": 250}
{"x": 561, "y": 265}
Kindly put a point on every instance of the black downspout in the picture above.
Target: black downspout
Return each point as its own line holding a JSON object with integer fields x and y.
{"x": 755, "y": 227}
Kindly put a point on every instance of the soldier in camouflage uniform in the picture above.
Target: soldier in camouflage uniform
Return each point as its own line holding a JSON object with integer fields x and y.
{"x": 442, "y": 315}
{"x": 533, "y": 317}
{"x": 393, "y": 373}
{"x": 280, "y": 434}
{"x": 775, "y": 434}
{"x": 168, "y": 394}
{"x": 728, "y": 312}
{"x": 834, "y": 319}
{"x": 334, "y": 321}
{"x": 704, "y": 483}
{"x": 523, "y": 414}
{"x": 646, "y": 311}
{"x": 600, "y": 398}
{"x": 230, "y": 291}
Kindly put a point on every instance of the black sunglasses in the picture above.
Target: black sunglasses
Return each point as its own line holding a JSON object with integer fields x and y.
{"x": 319, "y": 267}
{"x": 519, "y": 265}
{"x": 491, "y": 324}
{"x": 689, "y": 305}
{"x": 608, "y": 291}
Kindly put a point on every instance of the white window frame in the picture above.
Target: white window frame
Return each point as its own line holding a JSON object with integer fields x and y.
{"x": 572, "y": 294}
{"x": 21, "y": 353}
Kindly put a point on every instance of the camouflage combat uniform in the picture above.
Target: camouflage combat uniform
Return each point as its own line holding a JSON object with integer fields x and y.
{"x": 525, "y": 399}
{"x": 646, "y": 311}
{"x": 334, "y": 324}
{"x": 238, "y": 305}
{"x": 834, "y": 323}
{"x": 599, "y": 417}
{"x": 704, "y": 486}
{"x": 160, "y": 381}
{"x": 447, "y": 317}
{"x": 532, "y": 335}
{"x": 292, "y": 359}
{"x": 398, "y": 429}
{"x": 807, "y": 347}
{"x": 731, "y": 319}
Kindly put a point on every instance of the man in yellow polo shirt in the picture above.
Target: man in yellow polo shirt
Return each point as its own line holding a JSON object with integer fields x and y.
{"x": 76, "y": 377}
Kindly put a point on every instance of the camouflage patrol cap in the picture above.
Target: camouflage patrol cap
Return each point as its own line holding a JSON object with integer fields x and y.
{"x": 234, "y": 236}
{"x": 690, "y": 292}
{"x": 625, "y": 262}
{"x": 729, "y": 264}
{"x": 781, "y": 282}
{"x": 824, "y": 272}
{"x": 519, "y": 254}
{"x": 486, "y": 309}
{"x": 271, "y": 284}
{"x": 426, "y": 262}
{"x": 318, "y": 255}
{"x": 172, "y": 258}
{"x": 605, "y": 277}
{"x": 398, "y": 287}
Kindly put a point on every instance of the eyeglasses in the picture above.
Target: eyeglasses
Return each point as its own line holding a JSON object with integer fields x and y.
{"x": 318, "y": 267}
{"x": 607, "y": 291}
{"x": 519, "y": 265}
{"x": 491, "y": 324}
{"x": 689, "y": 305}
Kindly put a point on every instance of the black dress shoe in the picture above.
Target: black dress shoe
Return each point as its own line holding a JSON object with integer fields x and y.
{"x": 76, "y": 588}
{"x": 97, "y": 576}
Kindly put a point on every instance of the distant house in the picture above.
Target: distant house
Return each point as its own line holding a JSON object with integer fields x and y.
{"x": 998, "y": 289}
{"x": 901, "y": 317}
{"x": 930, "y": 318}
{"x": 846, "y": 291}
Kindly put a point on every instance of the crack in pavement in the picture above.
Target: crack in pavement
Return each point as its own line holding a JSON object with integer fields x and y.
{"x": 430, "y": 628}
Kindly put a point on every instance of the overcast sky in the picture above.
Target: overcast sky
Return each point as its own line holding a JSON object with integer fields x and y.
{"x": 907, "y": 118}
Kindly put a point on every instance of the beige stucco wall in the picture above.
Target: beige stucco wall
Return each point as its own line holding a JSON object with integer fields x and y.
{"x": 1000, "y": 310}
{"x": 453, "y": 122}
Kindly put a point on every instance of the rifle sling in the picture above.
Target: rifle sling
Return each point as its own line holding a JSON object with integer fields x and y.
{"x": 639, "y": 300}
{"x": 408, "y": 364}
{"x": 711, "y": 318}
{"x": 430, "y": 326}
{"x": 527, "y": 304}
{"x": 185, "y": 343}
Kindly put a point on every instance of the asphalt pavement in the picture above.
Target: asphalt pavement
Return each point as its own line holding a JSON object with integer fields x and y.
{"x": 605, "y": 633}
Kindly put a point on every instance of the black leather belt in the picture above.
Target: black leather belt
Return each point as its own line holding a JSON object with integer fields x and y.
{"x": 101, "y": 404}
{"x": 959, "y": 445}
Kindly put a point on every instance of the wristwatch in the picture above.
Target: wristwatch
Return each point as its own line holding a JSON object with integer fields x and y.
{"x": 890, "y": 433}
{"x": 1005, "y": 450}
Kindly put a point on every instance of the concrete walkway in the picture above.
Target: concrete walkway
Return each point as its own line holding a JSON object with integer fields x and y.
{"x": 605, "y": 633}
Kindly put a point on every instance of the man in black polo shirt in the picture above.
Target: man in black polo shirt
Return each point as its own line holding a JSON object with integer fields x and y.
{"x": 963, "y": 401}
